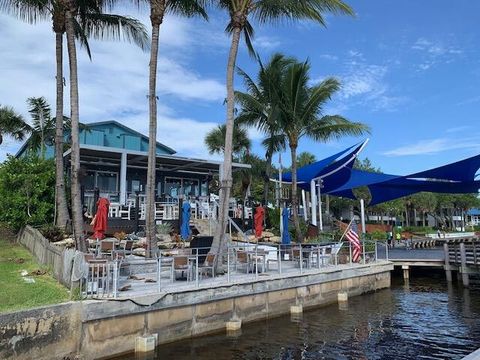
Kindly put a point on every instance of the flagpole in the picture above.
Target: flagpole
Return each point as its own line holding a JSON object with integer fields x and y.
{"x": 349, "y": 224}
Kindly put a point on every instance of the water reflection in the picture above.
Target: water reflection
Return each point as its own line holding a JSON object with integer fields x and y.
{"x": 424, "y": 320}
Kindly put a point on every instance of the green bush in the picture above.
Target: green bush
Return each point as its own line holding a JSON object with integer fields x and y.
{"x": 27, "y": 191}
{"x": 419, "y": 229}
{"x": 476, "y": 228}
{"x": 378, "y": 235}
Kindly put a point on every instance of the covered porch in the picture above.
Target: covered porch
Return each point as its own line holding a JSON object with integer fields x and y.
{"x": 121, "y": 176}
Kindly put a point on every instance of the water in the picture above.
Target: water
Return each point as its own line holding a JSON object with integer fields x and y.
{"x": 426, "y": 319}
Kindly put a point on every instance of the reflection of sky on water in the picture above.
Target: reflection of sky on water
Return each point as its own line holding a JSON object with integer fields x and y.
{"x": 426, "y": 320}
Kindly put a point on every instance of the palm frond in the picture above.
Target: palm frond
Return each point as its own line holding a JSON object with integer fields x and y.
{"x": 115, "y": 27}
{"x": 30, "y": 11}
{"x": 188, "y": 8}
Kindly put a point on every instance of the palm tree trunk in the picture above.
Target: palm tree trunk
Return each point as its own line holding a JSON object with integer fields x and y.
{"x": 226, "y": 176}
{"x": 296, "y": 220}
{"x": 75, "y": 149}
{"x": 152, "y": 142}
{"x": 60, "y": 195}
{"x": 266, "y": 184}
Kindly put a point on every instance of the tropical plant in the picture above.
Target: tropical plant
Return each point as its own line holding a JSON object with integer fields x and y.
{"x": 264, "y": 12}
{"x": 215, "y": 140}
{"x": 12, "y": 124}
{"x": 260, "y": 107}
{"x": 27, "y": 191}
{"x": 158, "y": 9}
{"x": 87, "y": 20}
{"x": 302, "y": 116}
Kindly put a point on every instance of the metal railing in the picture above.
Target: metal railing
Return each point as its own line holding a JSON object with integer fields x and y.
{"x": 192, "y": 268}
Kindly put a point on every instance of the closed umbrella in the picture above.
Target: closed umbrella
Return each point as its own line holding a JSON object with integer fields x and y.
{"x": 258, "y": 220}
{"x": 185, "y": 226}
{"x": 99, "y": 222}
{"x": 286, "y": 234}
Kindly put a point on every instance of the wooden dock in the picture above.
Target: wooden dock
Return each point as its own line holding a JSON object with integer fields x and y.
{"x": 463, "y": 257}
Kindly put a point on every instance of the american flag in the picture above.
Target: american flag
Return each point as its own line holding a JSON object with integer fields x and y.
{"x": 352, "y": 236}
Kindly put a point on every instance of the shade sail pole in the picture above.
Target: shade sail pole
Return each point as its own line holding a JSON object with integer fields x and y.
{"x": 304, "y": 205}
{"x": 362, "y": 215}
{"x": 320, "y": 220}
{"x": 314, "y": 202}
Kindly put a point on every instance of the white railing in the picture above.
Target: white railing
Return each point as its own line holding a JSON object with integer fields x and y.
{"x": 191, "y": 268}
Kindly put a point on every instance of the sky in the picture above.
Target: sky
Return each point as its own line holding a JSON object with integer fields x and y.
{"x": 409, "y": 69}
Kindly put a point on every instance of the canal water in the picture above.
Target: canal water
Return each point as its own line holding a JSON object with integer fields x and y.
{"x": 426, "y": 319}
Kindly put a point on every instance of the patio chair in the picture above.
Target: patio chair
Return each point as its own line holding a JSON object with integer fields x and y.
{"x": 182, "y": 266}
{"x": 208, "y": 265}
{"x": 124, "y": 212}
{"x": 297, "y": 258}
{"x": 242, "y": 260}
{"x": 126, "y": 249}
{"x": 159, "y": 211}
{"x": 107, "y": 247}
{"x": 114, "y": 210}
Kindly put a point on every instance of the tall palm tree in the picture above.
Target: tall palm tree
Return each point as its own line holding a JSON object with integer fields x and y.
{"x": 158, "y": 9}
{"x": 305, "y": 158}
{"x": 12, "y": 124}
{"x": 90, "y": 21}
{"x": 302, "y": 116}
{"x": 264, "y": 12}
{"x": 215, "y": 140}
{"x": 260, "y": 107}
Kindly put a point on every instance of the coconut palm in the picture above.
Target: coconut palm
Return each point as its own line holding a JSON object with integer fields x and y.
{"x": 305, "y": 158}
{"x": 302, "y": 116}
{"x": 89, "y": 20}
{"x": 12, "y": 124}
{"x": 158, "y": 9}
{"x": 259, "y": 107}
{"x": 215, "y": 140}
{"x": 240, "y": 11}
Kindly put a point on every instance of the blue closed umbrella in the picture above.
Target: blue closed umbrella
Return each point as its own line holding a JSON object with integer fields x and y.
{"x": 185, "y": 226}
{"x": 286, "y": 234}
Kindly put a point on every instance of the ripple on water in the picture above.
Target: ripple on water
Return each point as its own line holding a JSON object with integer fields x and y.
{"x": 425, "y": 320}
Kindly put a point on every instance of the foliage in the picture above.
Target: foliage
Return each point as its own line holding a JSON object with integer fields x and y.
{"x": 164, "y": 228}
{"x": 12, "y": 124}
{"x": 378, "y": 235}
{"x": 274, "y": 217}
{"x": 52, "y": 232}
{"x": 476, "y": 228}
{"x": 27, "y": 190}
{"x": 17, "y": 294}
{"x": 215, "y": 140}
{"x": 419, "y": 229}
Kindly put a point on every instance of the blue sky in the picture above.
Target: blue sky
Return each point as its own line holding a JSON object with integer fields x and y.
{"x": 410, "y": 69}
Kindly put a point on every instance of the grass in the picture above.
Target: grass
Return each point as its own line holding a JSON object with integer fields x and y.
{"x": 16, "y": 293}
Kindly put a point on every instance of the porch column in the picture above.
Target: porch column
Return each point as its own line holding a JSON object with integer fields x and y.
{"x": 123, "y": 179}
{"x": 362, "y": 215}
{"x": 314, "y": 202}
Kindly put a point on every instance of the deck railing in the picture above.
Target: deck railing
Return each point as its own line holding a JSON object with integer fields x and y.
{"x": 191, "y": 268}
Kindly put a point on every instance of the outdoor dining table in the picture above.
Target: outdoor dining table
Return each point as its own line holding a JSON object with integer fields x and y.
{"x": 261, "y": 253}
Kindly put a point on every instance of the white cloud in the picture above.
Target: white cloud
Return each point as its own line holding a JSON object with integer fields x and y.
{"x": 115, "y": 84}
{"x": 328, "y": 57}
{"x": 434, "y": 146}
{"x": 458, "y": 129}
{"x": 434, "y": 53}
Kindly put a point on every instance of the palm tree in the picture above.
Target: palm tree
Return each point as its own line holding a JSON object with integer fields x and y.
{"x": 90, "y": 21}
{"x": 302, "y": 116}
{"x": 264, "y": 12}
{"x": 215, "y": 140}
{"x": 158, "y": 9}
{"x": 260, "y": 107}
{"x": 12, "y": 124}
{"x": 305, "y": 158}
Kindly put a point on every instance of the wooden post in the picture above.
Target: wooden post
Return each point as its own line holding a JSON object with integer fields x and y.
{"x": 406, "y": 272}
{"x": 448, "y": 271}
{"x": 463, "y": 269}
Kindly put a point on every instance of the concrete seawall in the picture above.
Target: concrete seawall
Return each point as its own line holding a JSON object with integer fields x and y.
{"x": 94, "y": 329}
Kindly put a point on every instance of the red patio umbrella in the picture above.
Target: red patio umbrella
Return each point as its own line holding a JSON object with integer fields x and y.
{"x": 99, "y": 222}
{"x": 258, "y": 220}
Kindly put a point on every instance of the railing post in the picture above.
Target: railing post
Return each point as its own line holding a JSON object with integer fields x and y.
{"x": 376, "y": 251}
{"x": 196, "y": 270}
{"x": 280, "y": 258}
{"x": 256, "y": 261}
{"x": 363, "y": 244}
{"x": 386, "y": 249}
{"x": 301, "y": 260}
{"x": 115, "y": 278}
{"x": 350, "y": 250}
{"x": 159, "y": 282}
{"x": 448, "y": 270}
{"x": 228, "y": 263}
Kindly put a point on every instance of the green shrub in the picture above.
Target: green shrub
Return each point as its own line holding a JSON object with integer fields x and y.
{"x": 419, "y": 229}
{"x": 27, "y": 191}
{"x": 378, "y": 235}
{"x": 476, "y": 228}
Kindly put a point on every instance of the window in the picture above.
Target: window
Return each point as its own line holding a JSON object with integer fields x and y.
{"x": 106, "y": 181}
{"x": 135, "y": 185}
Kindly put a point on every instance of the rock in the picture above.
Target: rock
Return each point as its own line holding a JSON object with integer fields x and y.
{"x": 68, "y": 243}
{"x": 267, "y": 234}
{"x": 275, "y": 239}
